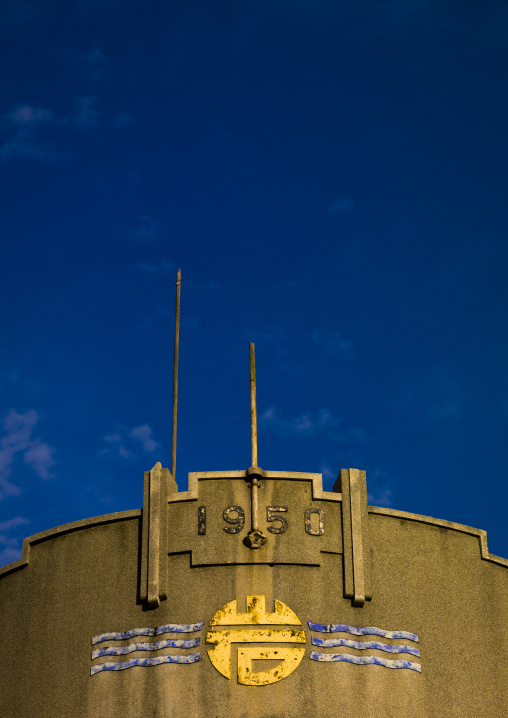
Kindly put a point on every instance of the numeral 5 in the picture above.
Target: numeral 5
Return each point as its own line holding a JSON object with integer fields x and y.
{"x": 273, "y": 514}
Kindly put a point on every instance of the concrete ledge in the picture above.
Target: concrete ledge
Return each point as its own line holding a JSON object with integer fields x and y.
{"x": 316, "y": 479}
{"x": 190, "y": 495}
{"x": 64, "y": 529}
{"x": 461, "y": 528}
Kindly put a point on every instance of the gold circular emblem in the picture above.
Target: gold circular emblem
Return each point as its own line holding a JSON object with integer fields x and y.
{"x": 255, "y": 616}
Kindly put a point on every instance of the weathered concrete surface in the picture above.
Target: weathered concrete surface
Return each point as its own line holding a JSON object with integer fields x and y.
{"x": 295, "y": 545}
{"x": 429, "y": 578}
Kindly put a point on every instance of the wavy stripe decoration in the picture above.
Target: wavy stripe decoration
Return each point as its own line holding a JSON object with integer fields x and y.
{"x": 367, "y": 631}
{"x": 121, "y": 666}
{"x": 168, "y": 628}
{"x": 362, "y": 645}
{"x": 364, "y": 660}
{"x": 131, "y": 647}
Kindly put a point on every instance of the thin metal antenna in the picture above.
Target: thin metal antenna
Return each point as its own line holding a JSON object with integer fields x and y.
{"x": 175, "y": 371}
{"x": 255, "y": 537}
{"x": 253, "y": 409}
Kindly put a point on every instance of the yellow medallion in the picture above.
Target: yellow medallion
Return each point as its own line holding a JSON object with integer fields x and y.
{"x": 256, "y": 615}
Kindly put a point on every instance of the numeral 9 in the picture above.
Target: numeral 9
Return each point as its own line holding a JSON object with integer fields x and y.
{"x": 237, "y": 522}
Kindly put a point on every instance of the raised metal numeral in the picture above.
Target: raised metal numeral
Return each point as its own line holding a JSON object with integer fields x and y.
{"x": 201, "y": 520}
{"x": 238, "y": 522}
{"x": 272, "y": 514}
{"x": 320, "y": 529}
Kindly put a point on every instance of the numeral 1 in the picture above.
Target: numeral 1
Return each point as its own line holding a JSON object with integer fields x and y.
{"x": 202, "y": 520}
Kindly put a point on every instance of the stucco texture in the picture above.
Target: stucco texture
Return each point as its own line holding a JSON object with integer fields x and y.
{"x": 426, "y": 579}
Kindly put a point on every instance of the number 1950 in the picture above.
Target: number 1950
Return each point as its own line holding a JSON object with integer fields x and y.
{"x": 234, "y": 516}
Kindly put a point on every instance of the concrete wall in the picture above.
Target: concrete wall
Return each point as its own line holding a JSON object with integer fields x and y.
{"x": 427, "y": 577}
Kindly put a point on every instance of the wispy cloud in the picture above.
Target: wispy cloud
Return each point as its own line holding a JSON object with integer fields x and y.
{"x": 351, "y": 434}
{"x": 27, "y": 116}
{"x": 35, "y": 133}
{"x": 146, "y": 230}
{"x": 340, "y": 205}
{"x": 11, "y": 550}
{"x": 307, "y": 424}
{"x": 380, "y": 497}
{"x": 328, "y": 473}
{"x": 12, "y": 523}
{"x": 25, "y": 124}
{"x": 17, "y": 440}
{"x": 95, "y": 63}
{"x": 274, "y": 336}
{"x": 122, "y": 120}
{"x": 380, "y": 491}
{"x": 439, "y": 393}
{"x": 333, "y": 342}
{"x": 311, "y": 423}
{"x": 143, "y": 434}
{"x": 94, "y": 56}
{"x": 126, "y": 443}
{"x": 86, "y": 117}
{"x": 117, "y": 444}
{"x": 40, "y": 457}
{"x": 28, "y": 147}
{"x": 437, "y": 412}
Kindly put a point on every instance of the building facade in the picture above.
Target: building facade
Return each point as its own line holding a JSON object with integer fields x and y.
{"x": 341, "y": 609}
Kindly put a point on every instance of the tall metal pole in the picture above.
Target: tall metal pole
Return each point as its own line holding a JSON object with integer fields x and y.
{"x": 255, "y": 537}
{"x": 253, "y": 409}
{"x": 175, "y": 371}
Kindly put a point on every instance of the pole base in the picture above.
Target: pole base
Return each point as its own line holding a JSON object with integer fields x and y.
{"x": 255, "y": 539}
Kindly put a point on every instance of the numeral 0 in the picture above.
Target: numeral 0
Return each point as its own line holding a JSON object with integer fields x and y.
{"x": 320, "y": 528}
{"x": 237, "y": 522}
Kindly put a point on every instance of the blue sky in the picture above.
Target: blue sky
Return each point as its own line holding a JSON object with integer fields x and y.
{"x": 330, "y": 176}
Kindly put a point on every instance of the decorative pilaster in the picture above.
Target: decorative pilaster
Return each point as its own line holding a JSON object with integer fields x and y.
{"x": 154, "y": 549}
{"x": 352, "y": 483}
